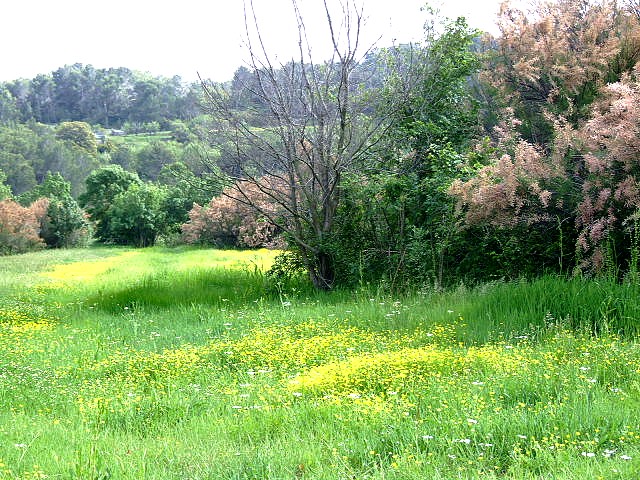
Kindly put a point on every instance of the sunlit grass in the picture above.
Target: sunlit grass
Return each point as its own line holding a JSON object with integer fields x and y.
{"x": 188, "y": 363}
{"x": 70, "y": 273}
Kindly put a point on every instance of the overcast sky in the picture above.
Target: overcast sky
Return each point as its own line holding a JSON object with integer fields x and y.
{"x": 184, "y": 37}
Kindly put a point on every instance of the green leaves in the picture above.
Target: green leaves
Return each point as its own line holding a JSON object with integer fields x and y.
{"x": 135, "y": 217}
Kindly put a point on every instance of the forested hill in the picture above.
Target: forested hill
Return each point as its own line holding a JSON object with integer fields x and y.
{"x": 109, "y": 97}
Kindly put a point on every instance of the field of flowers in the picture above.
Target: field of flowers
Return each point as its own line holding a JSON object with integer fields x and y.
{"x": 190, "y": 364}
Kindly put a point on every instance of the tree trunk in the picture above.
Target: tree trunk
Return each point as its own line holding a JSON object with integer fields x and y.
{"x": 322, "y": 274}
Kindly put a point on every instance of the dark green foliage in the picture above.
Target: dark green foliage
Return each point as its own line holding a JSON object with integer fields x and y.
{"x": 109, "y": 97}
{"x": 135, "y": 216}
{"x": 28, "y": 152}
{"x": 8, "y": 106}
{"x": 182, "y": 189}
{"x": 65, "y": 224}
{"x": 18, "y": 156}
{"x": 399, "y": 223}
{"x": 5, "y": 190}
{"x": 102, "y": 187}
{"x": 287, "y": 272}
{"x": 489, "y": 253}
{"x": 53, "y": 186}
{"x": 153, "y": 157}
{"x": 440, "y": 110}
{"x": 180, "y": 132}
{"x": 124, "y": 156}
{"x": 78, "y": 134}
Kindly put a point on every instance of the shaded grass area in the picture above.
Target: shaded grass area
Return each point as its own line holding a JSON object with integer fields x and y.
{"x": 188, "y": 363}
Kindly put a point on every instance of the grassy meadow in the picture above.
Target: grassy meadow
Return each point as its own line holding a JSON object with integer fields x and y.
{"x": 191, "y": 364}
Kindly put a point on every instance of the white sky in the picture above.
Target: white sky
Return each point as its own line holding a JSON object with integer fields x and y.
{"x": 184, "y": 37}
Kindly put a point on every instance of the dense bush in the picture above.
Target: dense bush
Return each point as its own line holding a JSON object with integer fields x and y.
{"x": 229, "y": 222}
{"x": 102, "y": 187}
{"x": 135, "y": 216}
{"x": 65, "y": 223}
{"x": 20, "y": 226}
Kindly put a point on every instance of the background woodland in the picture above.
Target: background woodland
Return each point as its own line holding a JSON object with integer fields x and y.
{"x": 464, "y": 158}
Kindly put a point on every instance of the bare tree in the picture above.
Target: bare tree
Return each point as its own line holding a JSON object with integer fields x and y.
{"x": 316, "y": 125}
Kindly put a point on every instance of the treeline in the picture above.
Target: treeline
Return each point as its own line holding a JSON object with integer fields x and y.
{"x": 496, "y": 157}
{"x": 485, "y": 158}
{"x": 111, "y": 97}
{"x": 29, "y": 151}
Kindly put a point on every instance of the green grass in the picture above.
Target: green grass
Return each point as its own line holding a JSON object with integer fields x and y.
{"x": 187, "y": 363}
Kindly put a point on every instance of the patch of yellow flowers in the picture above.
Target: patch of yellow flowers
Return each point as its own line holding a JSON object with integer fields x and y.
{"x": 64, "y": 274}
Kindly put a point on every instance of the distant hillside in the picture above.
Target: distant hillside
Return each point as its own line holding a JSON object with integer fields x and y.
{"x": 108, "y": 97}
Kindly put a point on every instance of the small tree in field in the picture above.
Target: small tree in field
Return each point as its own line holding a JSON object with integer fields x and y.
{"x": 102, "y": 187}
{"x": 135, "y": 216}
{"x": 315, "y": 128}
{"x": 65, "y": 224}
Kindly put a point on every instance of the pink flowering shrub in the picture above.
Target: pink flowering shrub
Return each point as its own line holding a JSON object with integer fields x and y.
{"x": 20, "y": 226}
{"x": 611, "y": 145}
{"x": 568, "y": 150}
{"x": 229, "y": 220}
{"x": 591, "y": 175}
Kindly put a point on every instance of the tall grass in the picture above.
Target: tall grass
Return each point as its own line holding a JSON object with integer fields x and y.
{"x": 164, "y": 364}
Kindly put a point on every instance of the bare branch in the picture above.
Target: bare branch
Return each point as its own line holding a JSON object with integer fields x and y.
{"x": 315, "y": 126}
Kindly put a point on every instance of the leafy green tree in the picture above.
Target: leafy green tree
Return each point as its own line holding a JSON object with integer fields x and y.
{"x": 20, "y": 174}
{"x": 136, "y": 217}
{"x": 53, "y": 186}
{"x": 20, "y": 91}
{"x": 184, "y": 189}
{"x": 8, "y": 106}
{"x": 102, "y": 187}
{"x": 146, "y": 105}
{"x": 41, "y": 98}
{"x": 124, "y": 156}
{"x": 65, "y": 224}
{"x": 19, "y": 157}
{"x": 180, "y": 132}
{"x": 78, "y": 134}
{"x": 72, "y": 90}
{"x": 108, "y": 96}
{"x": 29, "y": 151}
{"x": 440, "y": 111}
{"x": 112, "y": 95}
{"x": 152, "y": 157}
{"x": 397, "y": 222}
